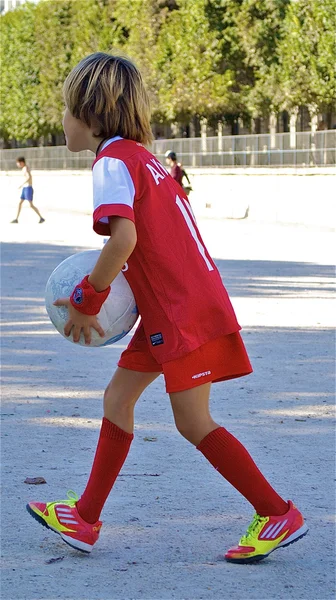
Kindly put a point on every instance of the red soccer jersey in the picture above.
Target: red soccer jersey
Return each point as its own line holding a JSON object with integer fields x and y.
{"x": 178, "y": 289}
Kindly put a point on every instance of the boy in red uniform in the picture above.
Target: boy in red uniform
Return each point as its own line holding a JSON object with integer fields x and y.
{"x": 188, "y": 329}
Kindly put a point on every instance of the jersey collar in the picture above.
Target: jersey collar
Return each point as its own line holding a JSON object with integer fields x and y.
{"x": 107, "y": 142}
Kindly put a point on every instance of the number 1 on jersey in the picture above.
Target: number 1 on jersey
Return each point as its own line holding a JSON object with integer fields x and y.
{"x": 189, "y": 218}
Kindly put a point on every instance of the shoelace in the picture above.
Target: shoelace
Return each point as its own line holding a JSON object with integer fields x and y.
{"x": 253, "y": 529}
{"x": 71, "y": 497}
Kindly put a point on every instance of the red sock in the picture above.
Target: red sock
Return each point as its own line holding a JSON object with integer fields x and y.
{"x": 233, "y": 462}
{"x": 112, "y": 449}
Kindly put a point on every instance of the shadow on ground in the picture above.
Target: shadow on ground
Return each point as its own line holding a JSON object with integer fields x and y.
{"x": 167, "y": 519}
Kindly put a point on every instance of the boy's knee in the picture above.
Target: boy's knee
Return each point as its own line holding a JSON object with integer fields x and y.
{"x": 114, "y": 398}
{"x": 186, "y": 429}
{"x": 194, "y": 431}
{"x": 192, "y": 434}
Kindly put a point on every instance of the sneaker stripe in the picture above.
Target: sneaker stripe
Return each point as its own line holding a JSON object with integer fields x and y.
{"x": 273, "y": 530}
{"x": 72, "y": 521}
{"x": 267, "y": 530}
{"x": 64, "y": 513}
{"x": 276, "y": 531}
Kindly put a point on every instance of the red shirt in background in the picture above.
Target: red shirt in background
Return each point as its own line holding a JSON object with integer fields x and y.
{"x": 177, "y": 173}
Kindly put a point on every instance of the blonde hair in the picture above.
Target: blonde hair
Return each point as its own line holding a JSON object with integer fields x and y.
{"x": 108, "y": 94}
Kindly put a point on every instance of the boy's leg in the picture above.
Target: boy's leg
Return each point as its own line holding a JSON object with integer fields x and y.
{"x": 223, "y": 450}
{"x": 18, "y": 212}
{"x": 76, "y": 521}
{"x": 277, "y": 523}
{"x": 115, "y": 439}
{"x": 35, "y": 209}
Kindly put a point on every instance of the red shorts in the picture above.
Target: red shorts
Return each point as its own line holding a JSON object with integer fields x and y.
{"x": 217, "y": 360}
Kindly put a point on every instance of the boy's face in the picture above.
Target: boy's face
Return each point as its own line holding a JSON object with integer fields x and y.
{"x": 77, "y": 134}
{"x": 20, "y": 165}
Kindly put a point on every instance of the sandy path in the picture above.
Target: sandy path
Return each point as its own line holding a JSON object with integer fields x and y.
{"x": 170, "y": 514}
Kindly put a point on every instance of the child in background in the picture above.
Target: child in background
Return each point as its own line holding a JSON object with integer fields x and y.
{"x": 27, "y": 189}
{"x": 188, "y": 329}
{"x": 177, "y": 171}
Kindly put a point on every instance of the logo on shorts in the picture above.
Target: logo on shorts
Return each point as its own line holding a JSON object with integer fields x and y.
{"x": 157, "y": 339}
{"x": 204, "y": 374}
{"x": 78, "y": 295}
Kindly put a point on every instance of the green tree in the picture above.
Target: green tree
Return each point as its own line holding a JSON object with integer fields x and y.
{"x": 303, "y": 72}
{"x": 54, "y": 58}
{"x": 189, "y": 75}
{"x": 141, "y": 22}
{"x": 307, "y": 53}
{"x": 20, "y": 114}
{"x": 67, "y": 31}
{"x": 95, "y": 27}
{"x": 259, "y": 27}
{"x": 199, "y": 58}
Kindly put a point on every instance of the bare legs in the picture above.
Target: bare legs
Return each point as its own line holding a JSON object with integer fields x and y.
{"x": 121, "y": 395}
{"x": 191, "y": 413}
{"x": 18, "y": 212}
{"x": 193, "y": 421}
{"x": 35, "y": 209}
{"x": 115, "y": 439}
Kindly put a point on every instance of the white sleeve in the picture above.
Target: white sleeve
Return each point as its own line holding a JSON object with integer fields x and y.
{"x": 113, "y": 190}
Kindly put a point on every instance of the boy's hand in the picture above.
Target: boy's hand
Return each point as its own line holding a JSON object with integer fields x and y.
{"x": 78, "y": 322}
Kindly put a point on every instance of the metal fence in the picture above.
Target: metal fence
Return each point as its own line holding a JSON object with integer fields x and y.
{"x": 303, "y": 149}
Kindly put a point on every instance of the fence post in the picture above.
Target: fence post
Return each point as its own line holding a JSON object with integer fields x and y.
{"x": 272, "y": 141}
{"x": 220, "y": 136}
{"x": 204, "y": 123}
{"x": 313, "y": 128}
{"x": 272, "y": 127}
{"x": 292, "y": 127}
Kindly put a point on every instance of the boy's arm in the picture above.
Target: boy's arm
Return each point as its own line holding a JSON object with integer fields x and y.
{"x": 115, "y": 253}
{"x": 111, "y": 260}
{"x": 184, "y": 174}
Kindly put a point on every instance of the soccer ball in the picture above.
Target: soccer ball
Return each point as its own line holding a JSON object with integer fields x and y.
{"x": 117, "y": 315}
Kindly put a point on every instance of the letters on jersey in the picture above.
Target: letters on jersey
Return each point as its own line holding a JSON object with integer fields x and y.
{"x": 178, "y": 289}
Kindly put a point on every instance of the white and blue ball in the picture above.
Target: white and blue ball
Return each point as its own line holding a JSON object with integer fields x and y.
{"x": 117, "y": 315}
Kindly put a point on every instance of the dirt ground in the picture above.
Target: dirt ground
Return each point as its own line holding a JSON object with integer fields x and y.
{"x": 170, "y": 516}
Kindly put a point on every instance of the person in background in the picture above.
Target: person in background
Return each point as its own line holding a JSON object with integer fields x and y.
{"x": 27, "y": 189}
{"x": 177, "y": 172}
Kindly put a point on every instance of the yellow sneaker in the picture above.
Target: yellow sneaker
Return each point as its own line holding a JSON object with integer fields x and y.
{"x": 63, "y": 518}
{"x": 266, "y": 534}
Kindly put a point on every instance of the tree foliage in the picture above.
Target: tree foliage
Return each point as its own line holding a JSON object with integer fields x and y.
{"x": 204, "y": 58}
{"x": 20, "y": 113}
